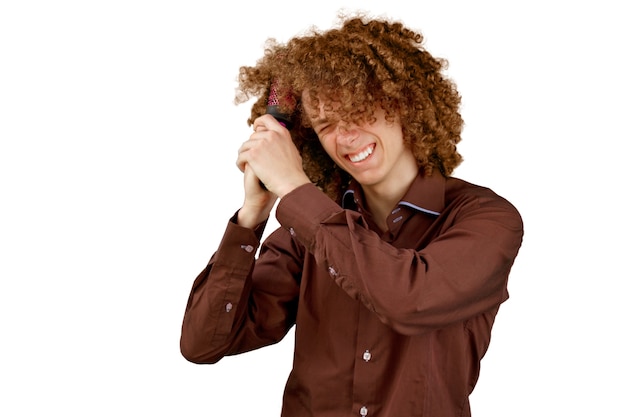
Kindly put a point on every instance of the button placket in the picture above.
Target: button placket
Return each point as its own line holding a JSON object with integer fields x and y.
{"x": 365, "y": 369}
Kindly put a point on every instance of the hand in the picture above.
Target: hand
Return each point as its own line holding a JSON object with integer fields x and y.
{"x": 272, "y": 157}
{"x": 258, "y": 201}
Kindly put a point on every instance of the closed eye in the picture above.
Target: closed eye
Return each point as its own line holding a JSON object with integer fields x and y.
{"x": 324, "y": 127}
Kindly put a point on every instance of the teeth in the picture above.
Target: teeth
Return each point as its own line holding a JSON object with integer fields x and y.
{"x": 361, "y": 156}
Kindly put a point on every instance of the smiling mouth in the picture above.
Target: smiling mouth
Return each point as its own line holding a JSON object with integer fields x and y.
{"x": 361, "y": 156}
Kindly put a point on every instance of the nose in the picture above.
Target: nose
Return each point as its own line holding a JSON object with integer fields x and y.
{"x": 346, "y": 134}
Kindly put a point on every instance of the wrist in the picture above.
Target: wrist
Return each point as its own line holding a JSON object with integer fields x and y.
{"x": 248, "y": 220}
{"x": 251, "y": 217}
{"x": 292, "y": 185}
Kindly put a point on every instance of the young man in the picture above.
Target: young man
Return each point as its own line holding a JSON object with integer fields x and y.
{"x": 391, "y": 270}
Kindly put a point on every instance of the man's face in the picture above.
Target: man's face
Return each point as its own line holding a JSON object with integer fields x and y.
{"x": 374, "y": 154}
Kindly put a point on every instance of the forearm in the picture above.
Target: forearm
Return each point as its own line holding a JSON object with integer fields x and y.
{"x": 238, "y": 303}
{"x": 460, "y": 273}
{"x": 218, "y": 297}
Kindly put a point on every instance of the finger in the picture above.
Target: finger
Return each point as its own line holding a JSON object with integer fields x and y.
{"x": 260, "y": 128}
{"x": 241, "y": 161}
{"x": 266, "y": 122}
{"x": 259, "y": 125}
{"x": 246, "y": 152}
{"x": 250, "y": 178}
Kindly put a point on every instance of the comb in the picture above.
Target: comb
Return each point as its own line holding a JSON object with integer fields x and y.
{"x": 274, "y": 106}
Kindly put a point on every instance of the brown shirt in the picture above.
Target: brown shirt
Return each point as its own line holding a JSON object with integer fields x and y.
{"x": 387, "y": 324}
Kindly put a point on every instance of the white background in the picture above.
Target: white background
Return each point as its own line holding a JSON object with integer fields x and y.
{"x": 118, "y": 140}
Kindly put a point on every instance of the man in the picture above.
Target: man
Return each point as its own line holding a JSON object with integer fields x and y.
{"x": 391, "y": 270}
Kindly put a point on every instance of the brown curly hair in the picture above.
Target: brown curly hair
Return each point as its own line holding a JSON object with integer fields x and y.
{"x": 354, "y": 69}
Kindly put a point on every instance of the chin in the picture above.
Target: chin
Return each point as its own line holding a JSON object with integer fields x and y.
{"x": 366, "y": 180}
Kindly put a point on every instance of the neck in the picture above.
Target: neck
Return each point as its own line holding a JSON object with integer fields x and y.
{"x": 381, "y": 200}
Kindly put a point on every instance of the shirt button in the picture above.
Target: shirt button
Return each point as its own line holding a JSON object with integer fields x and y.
{"x": 363, "y": 411}
{"x": 367, "y": 356}
{"x": 332, "y": 271}
{"x": 229, "y": 307}
{"x": 247, "y": 248}
{"x": 292, "y": 232}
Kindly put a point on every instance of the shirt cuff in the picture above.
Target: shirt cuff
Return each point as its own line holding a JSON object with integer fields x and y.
{"x": 258, "y": 229}
{"x": 303, "y": 210}
{"x": 239, "y": 245}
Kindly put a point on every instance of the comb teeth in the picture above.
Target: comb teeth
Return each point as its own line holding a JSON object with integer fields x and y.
{"x": 288, "y": 101}
{"x": 273, "y": 98}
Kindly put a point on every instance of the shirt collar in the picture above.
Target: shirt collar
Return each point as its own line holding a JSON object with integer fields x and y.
{"x": 426, "y": 194}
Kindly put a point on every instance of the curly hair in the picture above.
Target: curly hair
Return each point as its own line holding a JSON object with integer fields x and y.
{"x": 355, "y": 69}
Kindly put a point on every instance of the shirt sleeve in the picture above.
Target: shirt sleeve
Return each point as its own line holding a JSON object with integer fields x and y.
{"x": 460, "y": 273}
{"x": 228, "y": 310}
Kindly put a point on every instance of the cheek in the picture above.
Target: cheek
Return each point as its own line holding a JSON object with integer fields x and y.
{"x": 329, "y": 147}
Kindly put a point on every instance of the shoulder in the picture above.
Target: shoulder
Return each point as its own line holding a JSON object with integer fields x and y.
{"x": 462, "y": 197}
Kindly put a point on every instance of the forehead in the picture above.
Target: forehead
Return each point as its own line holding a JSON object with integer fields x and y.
{"x": 307, "y": 104}
{"x": 322, "y": 107}
{"x": 317, "y": 110}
